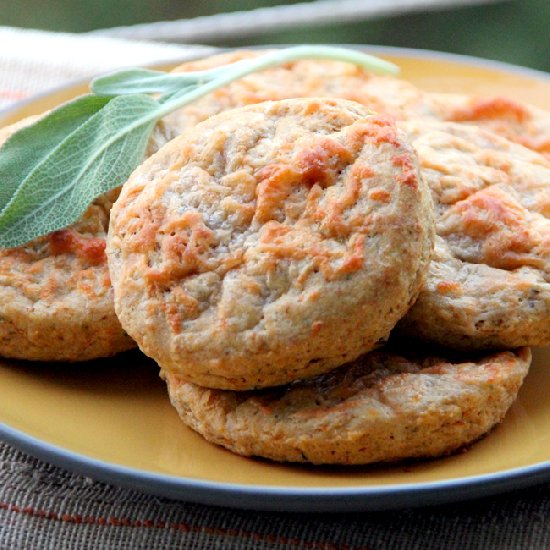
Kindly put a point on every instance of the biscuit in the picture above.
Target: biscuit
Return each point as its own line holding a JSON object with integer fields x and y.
{"x": 385, "y": 406}
{"x": 516, "y": 121}
{"x": 56, "y": 301}
{"x": 488, "y": 285}
{"x": 270, "y": 243}
{"x": 304, "y": 78}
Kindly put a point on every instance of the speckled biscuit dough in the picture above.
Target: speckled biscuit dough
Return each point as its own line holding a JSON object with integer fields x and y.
{"x": 270, "y": 243}
{"x": 516, "y": 121}
{"x": 385, "y": 406}
{"x": 56, "y": 300}
{"x": 306, "y": 78}
{"x": 489, "y": 281}
{"x": 519, "y": 122}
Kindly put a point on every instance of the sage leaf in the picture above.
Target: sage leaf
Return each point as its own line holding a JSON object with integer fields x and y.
{"x": 143, "y": 81}
{"x": 227, "y": 74}
{"x": 131, "y": 81}
{"x": 96, "y": 157}
{"x": 25, "y": 149}
{"x": 52, "y": 170}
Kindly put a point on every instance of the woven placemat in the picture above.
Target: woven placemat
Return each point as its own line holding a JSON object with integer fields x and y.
{"x": 45, "y": 507}
{"x": 42, "y": 506}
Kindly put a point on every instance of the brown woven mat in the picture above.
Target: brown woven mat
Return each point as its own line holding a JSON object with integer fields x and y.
{"x": 45, "y": 507}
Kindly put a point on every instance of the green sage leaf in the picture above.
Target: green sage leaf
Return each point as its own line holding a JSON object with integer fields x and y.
{"x": 98, "y": 156}
{"x": 144, "y": 81}
{"x": 28, "y": 147}
{"x": 132, "y": 81}
{"x": 52, "y": 170}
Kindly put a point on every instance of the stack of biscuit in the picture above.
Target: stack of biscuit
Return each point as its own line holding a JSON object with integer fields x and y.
{"x": 328, "y": 266}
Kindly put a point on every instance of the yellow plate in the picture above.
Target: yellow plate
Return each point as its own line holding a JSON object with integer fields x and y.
{"x": 111, "y": 419}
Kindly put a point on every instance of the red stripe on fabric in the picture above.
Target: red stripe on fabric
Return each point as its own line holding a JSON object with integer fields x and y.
{"x": 185, "y": 527}
{"x": 13, "y": 94}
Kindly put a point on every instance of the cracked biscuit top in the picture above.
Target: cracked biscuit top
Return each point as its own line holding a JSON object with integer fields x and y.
{"x": 270, "y": 243}
{"x": 56, "y": 300}
{"x": 488, "y": 284}
{"x": 387, "y": 405}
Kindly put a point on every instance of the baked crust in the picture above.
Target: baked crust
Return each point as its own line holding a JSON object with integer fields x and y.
{"x": 270, "y": 243}
{"x": 488, "y": 285}
{"x": 516, "y": 121}
{"x": 304, "y": 78}
{"x": 385, "y": 406}
{"x": 56, "y": 300}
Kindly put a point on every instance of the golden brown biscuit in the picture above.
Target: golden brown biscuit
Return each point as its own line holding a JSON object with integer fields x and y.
{"x": 519, "y": 122}
{"x": 270, "y": 243}
{"x": 385, "y": 406}
{"x": 489, "y": 282}
{"x": 305, "y": 78}
{"x": 516, "y": 121}
{"x": 56, "y": 301}
{"x": 466, "y": 303}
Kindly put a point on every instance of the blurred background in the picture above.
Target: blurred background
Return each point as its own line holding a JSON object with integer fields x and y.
{"x": 515, "y": 31}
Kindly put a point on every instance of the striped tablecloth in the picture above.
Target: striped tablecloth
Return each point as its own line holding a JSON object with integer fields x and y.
{"x": 42, "y": 506}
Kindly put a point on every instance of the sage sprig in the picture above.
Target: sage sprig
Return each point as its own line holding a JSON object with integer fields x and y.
{"x": 53, "y": 169}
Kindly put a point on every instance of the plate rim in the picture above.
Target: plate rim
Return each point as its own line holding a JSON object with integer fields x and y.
{"x": 289, "y": 498}
{"x": 282, "y": 498}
